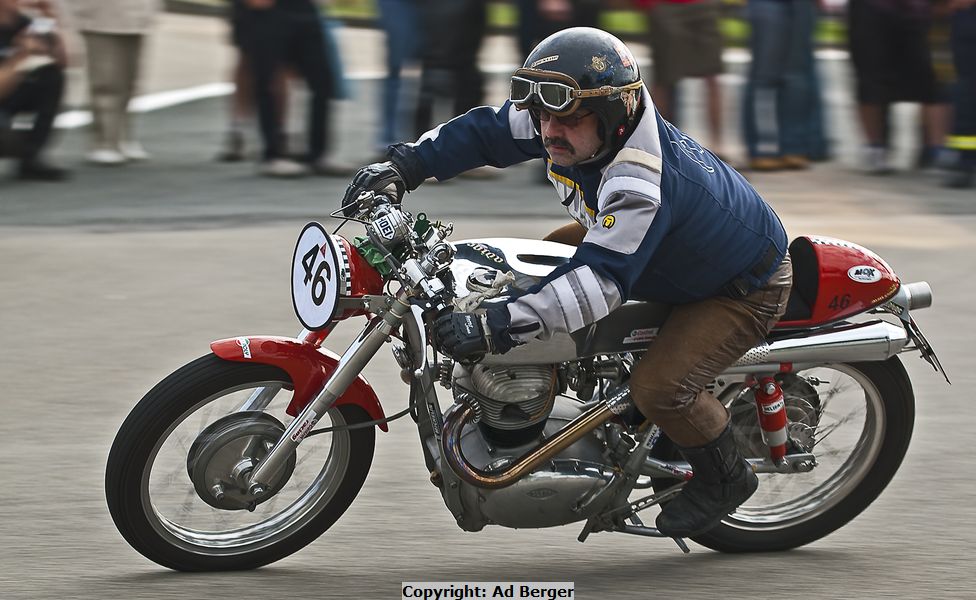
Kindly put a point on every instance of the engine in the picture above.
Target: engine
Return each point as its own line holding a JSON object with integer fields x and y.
{"x": 514, "y": 401}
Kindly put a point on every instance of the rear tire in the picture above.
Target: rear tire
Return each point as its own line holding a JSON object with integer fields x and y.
{"x": 187, "y": 547}
{"x": 830, "y": 504}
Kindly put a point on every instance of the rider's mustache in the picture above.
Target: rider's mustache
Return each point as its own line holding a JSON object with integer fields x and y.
{"x": 558, "y": 141}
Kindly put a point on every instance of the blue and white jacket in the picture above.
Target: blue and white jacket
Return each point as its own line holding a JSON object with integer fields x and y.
{"x": 666, "y": 219}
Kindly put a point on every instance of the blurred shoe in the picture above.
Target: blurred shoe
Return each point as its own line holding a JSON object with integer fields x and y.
{"x": 935, "y": 158}
{"x": 767, "y": 163}
{"x": 876, "y": 160}
{"x": 328, "y": 167}
{"x": 283, "y": 168}
{"x": 106, "y": 157}
{"x": 134, "y": 151}
{"x": 233, "y": 150}
{"x": 38, "y": 170}
{"x": 485, "y": 172}
{"x": 961, "y": 178}
{"x": 795, "y": 161}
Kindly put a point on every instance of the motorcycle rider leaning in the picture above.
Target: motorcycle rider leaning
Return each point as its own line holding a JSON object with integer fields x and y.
{"x": 657, "y": 218}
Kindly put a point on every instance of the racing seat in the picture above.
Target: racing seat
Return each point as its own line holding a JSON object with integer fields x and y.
{"x": 806, "y": 280}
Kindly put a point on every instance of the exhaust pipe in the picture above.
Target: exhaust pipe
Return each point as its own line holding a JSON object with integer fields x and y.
{"x": 462, "y": 413}
{"x": 918, "y": 294}
{"x": 860, "y": 342}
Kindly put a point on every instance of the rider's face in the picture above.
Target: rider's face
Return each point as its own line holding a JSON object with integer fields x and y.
{"x": 570, "y": 139}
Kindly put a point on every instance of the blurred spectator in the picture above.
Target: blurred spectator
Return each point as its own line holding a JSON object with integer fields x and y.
{"x": 893, "y": 63}
{"x": 781, "y": 104}
{"x": 453, "y": 32}
{"x": 686, "y": 42}
{"x": 401, "y": 23}
{"x": 32, "y": 61}
{"x": 963, "y": 138}
{"x": 114, "y": 32}
{"x": 538, "y": 19}
{"x": 242, "y": 100}
{"x": 276, "y": 34}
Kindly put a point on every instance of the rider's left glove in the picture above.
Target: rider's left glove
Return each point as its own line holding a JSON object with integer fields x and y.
{"x": 404, "y": 171}
{"x": 468, "y": 336}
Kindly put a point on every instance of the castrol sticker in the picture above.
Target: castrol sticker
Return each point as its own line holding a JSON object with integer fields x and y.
{"x": 775, "y": 407}
{"x": 864, "y": 274}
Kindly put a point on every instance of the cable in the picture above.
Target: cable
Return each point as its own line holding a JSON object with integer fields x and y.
{"x": 362, "y": 425}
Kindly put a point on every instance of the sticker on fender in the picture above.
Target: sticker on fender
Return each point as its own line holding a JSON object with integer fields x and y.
{"x": 315, "y": 277}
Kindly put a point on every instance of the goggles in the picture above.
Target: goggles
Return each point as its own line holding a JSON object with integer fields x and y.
{"x": 558, "y": 97}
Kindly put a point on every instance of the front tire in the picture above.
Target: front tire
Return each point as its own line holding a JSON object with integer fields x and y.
{"x": 158, "y": 510}
{"x": 865, "y": 416}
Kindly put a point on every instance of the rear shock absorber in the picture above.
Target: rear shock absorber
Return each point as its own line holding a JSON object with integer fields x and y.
{"x": 771, "y": 409}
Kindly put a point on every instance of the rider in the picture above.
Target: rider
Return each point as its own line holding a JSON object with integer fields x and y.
{"x": 657, "y": 217}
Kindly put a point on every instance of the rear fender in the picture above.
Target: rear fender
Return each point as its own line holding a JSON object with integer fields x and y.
{"x": 307, "y": 365}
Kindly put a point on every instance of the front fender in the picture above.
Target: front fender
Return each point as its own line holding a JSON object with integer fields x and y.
{"x": 307, "y": 365}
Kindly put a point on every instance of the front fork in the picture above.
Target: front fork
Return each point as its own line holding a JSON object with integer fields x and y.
{"x": 353, "y": 360}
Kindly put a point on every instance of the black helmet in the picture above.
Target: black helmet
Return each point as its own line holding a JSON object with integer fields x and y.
{"x": 582, "y": 67}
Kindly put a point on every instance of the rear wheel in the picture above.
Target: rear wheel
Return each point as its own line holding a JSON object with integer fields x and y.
{"x": 857, "y": 419}
{"x": 176, "y": 475}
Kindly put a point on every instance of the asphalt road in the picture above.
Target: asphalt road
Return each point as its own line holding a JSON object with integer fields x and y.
{"x": 116, "y": 279}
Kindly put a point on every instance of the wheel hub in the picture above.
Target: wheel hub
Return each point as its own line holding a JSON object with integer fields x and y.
{"x": 223, "y": 456}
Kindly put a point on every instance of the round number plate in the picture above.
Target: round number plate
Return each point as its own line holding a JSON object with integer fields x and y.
{"x": 315, "y": 277}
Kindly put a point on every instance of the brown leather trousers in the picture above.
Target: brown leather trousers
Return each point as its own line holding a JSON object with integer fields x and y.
{"x": 697, "y": 342}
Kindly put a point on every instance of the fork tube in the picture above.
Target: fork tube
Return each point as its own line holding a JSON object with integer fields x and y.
{"x": 353, "y": 360}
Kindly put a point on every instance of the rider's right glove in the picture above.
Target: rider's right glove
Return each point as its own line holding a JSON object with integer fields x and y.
{"x": 468, "y": 337}
{"x": 404, "y": 171}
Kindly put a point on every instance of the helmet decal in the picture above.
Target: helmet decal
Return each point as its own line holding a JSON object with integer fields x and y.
{"x": 542, "y": 61}
{"x": 599, "y": 64}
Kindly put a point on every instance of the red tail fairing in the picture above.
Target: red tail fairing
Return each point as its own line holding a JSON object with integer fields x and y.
{"x": 834, "y": 279}
{"x": 307, "y": 365}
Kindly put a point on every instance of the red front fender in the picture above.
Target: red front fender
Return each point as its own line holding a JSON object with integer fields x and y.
{"x": 307, "y": 366}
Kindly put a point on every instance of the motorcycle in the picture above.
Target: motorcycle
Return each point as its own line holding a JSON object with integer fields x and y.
{"x": 204, "y": 473}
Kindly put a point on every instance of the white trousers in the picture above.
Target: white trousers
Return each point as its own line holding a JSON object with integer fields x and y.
{"x": 113, "y": 68}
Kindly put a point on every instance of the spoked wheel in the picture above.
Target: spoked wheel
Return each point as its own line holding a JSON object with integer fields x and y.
{"x": 177, "y": 472}
{"x": 857, "y": 420}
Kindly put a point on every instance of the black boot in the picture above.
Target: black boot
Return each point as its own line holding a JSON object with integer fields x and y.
{"x": 723, "y": 480}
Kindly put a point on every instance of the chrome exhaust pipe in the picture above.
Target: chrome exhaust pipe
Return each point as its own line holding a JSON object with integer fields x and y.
{"x": 917, "y": 295}
{"x": 463, "y": 412}
{"x": 859, "y": 342}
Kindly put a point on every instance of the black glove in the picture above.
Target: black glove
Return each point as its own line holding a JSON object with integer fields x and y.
{"x": 404, "y": 171}
{"x": 371, "y": 178}
{"x": 463, "y": 335}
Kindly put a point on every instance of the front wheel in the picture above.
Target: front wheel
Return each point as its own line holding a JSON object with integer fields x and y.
{"x": 176, "y": 469}
{"x": 857, "y": 419}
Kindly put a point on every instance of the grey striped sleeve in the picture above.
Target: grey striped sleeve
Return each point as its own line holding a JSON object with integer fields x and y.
{"x": 567, "y": 303}
{"x": 521, "y": 124}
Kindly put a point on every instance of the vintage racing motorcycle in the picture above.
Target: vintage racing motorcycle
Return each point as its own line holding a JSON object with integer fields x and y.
{"x": 251, "y": 452}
